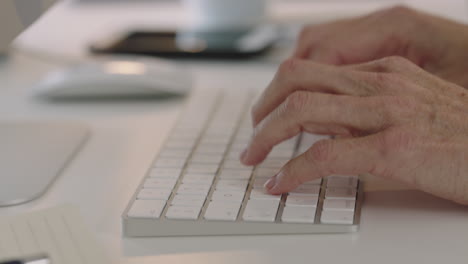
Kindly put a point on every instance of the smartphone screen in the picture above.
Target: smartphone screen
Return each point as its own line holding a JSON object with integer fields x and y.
{"x": 200, "y": 44}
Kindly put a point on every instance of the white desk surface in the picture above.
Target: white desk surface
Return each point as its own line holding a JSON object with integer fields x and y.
{"x": 397, "y": 226}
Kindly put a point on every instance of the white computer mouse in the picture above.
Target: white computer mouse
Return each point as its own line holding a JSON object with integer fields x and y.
{"x": 117, "y": 77}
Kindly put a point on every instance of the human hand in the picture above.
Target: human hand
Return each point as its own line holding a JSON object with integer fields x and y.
{"x": 437, "y": 45}
{"x": 396, "y": 121}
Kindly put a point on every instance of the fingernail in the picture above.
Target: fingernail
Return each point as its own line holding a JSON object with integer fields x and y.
{"x": 244, "y": 155}
{"x": 270, "y": 183}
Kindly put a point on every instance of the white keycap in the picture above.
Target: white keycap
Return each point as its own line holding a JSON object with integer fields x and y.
{"x": 222, "y": 211}
{"x": 165, "y": 172}
{"x": 157, "y": 183}
{"x": 232, "y": 196}
{"x": 301, "y": 200}
{"x": 169, "y": 163}
{"x": 236, "y": 164}
{"x": 202, "y": 168}
{"x": 337, "y": 217}
{"x": 265, "y": 172}
{"x": 261, "y": 194}
{"x": 298, "y": 214}
{"x": 215, "y": 140}
{"x": 183, "y": 212}
{"x": 340, "y": 193}
{"x": 281, "y": 153}
{"x": 188, "y": 200}
{"x": 307, "y": 190}
{"x": 235, "y": 174}
{"x": 206, "y": 158}
{"x": 211, "y": 149}
{"x": 193, "y": 189}
{"x": 261, "y": 211}
{"x": 314, "y": 182}
{"x": 273, "y": 163}
{"x": 236, "y": 185}
{"x": 342, "y": 181}
{"x": 339, "y": 205}
{"x": 146, "y": 208}
{"x": 180, "y": 144}
{"x": 198, "y": 181}
{"x": 199, "y": 176}
{"x": 234, "y": 154}
{"x": 154, "y": 194}
{"x": 260, "y": 183}
{"x": 175, "y": 153}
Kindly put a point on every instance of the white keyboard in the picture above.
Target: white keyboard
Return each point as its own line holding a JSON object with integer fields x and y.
{"x": 197, "y": 185}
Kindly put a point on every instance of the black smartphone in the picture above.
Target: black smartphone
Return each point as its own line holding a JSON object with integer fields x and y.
{"x": 230, "y": 44}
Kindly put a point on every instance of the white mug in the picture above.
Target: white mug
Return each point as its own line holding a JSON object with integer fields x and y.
{"x": 226, "y": 14}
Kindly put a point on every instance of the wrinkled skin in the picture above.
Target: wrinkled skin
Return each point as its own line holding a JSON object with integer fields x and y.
{"x": 435, "y": 44}
{"x": 392, "y": 117}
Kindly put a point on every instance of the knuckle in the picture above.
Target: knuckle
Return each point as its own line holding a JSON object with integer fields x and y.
{"x": 297, "y": 101}
{"x": 398, "y": 10}
{"x": 395, "y": 141}
{"x": 287, "y": 68}
{"x": 386, "y": 83}
{"x": 392, "y": 63}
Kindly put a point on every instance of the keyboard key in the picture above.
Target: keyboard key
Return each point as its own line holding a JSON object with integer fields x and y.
{"x": 146, "y": 208}
{"x": 185, "y": 189}
{"x": 222, "y": 211}
{"x": 339, "y": 205}
{"x": 183, "y": 212}
{"x": 165, "y": 173}
{"x": 175, "y": 153}
{"x": 169, "y": 163}
{"x": 154, "y": 194}
{"x": 261, "y": 211}
{"x": 203, "y": 168}
{"x": 301, "y": 200}
{"x": 180, "y": 144}
{"x": 342, "y": 181}
{"x": 232, "y": 196}
{"x": 258, "y": 194}
{"x": 199, "y": 176}
{"x": 265, "y": 172}
{"x": 273, "y": 163}
{"x": 157, "y": 183}
{"x": 235, "y": 174}
{"x": 206, "y": 159}
{"x": 188, "y": 200}
{"x": 236, "y": 164}
{"x": 236, "y": 185}
{"x": 337, "y": 217}
{"x": 340, "y": 193}
{"x": 201, "y": 181}
{"x": 281, "y": 153}
{"x": 298, "y": 214}
{"x": 307, "y": 190}
{"x": 211, "y": 149}
{"x": 260, "y": 183}
{"x": 314, "y": 182}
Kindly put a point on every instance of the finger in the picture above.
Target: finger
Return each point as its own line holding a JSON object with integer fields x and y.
{"x": 315, "y": 35}
{"x": 332, "y": 156}
{"x": 315, "y": 113}
{"x": 296, "y": 75}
